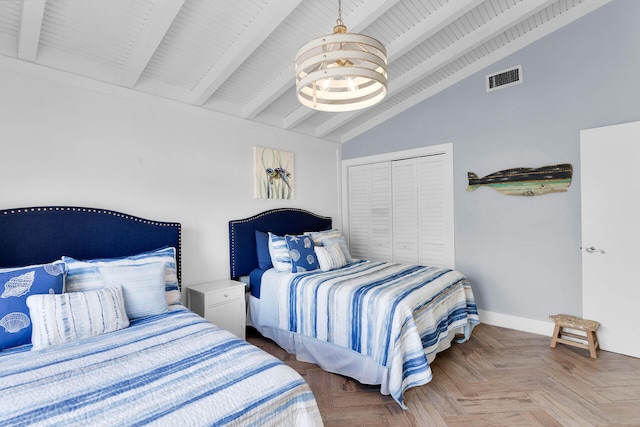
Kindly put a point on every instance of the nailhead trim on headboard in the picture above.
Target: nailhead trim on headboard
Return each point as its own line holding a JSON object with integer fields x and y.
{"x": 232, "y": 231}
{"x": 113, "y": 213}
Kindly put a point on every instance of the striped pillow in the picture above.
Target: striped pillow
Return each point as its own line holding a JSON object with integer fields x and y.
{"x": 58, "y": 319}
{"x": 279, "y": 252}
{"x": 319, "y": 237}
{"x": 343, "y": 245}
{"x": 330, "y": 257}
{"x": 142, "y": 286}
{"x": 84, "y": 275}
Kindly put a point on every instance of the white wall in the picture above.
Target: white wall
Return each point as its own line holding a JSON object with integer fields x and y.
{"x": 70, "y": 141}
{"x": 523, "y": 255}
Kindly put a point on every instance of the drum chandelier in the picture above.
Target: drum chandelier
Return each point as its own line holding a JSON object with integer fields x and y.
{"x": 341, "y": 71}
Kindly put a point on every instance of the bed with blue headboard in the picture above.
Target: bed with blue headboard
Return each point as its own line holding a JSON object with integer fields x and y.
{"x": 92, "y": 332}
{"x": 244, "y": 258}
{"x": 378, "y": 322}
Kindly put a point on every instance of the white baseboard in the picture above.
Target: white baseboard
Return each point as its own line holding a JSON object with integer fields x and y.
{"x": 518, "y": 323}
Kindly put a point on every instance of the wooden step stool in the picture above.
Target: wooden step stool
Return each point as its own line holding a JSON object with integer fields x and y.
{"x": 588, "y": 341}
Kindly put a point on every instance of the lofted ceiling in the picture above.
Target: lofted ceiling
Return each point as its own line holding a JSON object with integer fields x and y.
{"x": 236, "y": 56}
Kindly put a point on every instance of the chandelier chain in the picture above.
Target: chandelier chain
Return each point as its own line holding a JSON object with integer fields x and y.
{"x": 339, "y": 20}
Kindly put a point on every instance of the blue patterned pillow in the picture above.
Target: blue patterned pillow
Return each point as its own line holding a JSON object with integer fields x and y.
{"x": 279, "y": 253}
{"x": 16, "y": 285}
{"x": 303, "y": 257}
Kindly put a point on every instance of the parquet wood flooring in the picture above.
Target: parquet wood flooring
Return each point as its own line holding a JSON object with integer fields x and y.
{"x": 500, "y": 377}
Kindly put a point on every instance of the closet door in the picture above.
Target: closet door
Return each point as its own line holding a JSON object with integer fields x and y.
{"x": 435, "y": 213}
{"x": 406, "y": 230}
{"x": 399, "y": 206}
{"x": 419, "y": 211}
{"x": 369, "y": 201}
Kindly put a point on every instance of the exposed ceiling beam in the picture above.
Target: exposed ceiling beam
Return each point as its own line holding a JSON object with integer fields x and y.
{"x": 535, "y": 34}
{"x": 432, "y": 24}
{"x": 480, "y": 35}
{"x": 250, "y": 40}
{"x": 473, "y": 39}
{"x": 160, "y": 18}
{"x": 357, "y": 21}
{"x": 29, "y": 32}
{"x": 426, "y": 28}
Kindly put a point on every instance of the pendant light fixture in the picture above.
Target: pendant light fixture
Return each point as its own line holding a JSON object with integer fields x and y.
{"x": 341, "y": 71}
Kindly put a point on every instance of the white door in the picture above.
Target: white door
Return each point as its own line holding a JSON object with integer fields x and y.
{"x": 405, "y": 211}
{"x": 422, "y": 212}
{"x": 399, "y": 206}
{"x": 611, "y": 234}
{"x": 370, "y": 211}
{"x": 436, "y": 211}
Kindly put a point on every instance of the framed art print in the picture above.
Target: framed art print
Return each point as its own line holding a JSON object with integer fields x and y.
{"x": 273, "y": 173}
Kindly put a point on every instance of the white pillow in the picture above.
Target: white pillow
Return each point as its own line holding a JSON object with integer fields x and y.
{"x": 330, "y": 257}
{"x": 61, "y": 318}
{"x": 143, "y": 287}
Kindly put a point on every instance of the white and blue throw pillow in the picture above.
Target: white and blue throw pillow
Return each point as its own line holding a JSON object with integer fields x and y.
{"x": 330, "y": 257}
{"x": 303, "y": 257}
{"x": 58, "y": 319}
{"x": 320, "y": 236}
{"x": 143, "y": 287}
{"x": 279, "y": 252}
{"x": 16, "y": 285}
{"x": 328, "y": 238}
{"x": 343, "y": 245}
{"x": 84, "y": 275}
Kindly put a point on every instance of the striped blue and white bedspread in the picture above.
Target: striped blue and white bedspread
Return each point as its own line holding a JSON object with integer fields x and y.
{"x": 396, "y": 314}
{"x": 173, "y": 369}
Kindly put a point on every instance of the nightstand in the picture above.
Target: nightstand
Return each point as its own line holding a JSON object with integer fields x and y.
{"x": 221, "y": 302}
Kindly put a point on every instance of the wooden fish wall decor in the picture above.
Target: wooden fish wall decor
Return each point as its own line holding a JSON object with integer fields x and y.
{"x": 526, "y": 181}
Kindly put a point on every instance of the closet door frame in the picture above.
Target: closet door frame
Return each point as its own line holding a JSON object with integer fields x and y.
{"x": 442, "y": 149}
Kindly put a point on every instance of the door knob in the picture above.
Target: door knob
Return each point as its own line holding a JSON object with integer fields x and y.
{"x": 592, "y": 249}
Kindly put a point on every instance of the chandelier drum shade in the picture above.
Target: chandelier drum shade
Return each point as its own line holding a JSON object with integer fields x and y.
{"x": 341, "y": 71}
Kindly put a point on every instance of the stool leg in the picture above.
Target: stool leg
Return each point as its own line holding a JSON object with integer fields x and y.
{"x": 591, "y": 337}
{"x": 556, "y": 335}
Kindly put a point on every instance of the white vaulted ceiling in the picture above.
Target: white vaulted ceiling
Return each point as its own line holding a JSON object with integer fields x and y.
{"x": 236, "y": 56}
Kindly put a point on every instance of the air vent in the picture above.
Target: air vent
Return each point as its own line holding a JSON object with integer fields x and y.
{"x": 504, "y": 78}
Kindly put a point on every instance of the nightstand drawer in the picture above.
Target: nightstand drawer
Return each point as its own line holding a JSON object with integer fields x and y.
{"x": 221, "y": 302}
{"x": 223, "y": 296}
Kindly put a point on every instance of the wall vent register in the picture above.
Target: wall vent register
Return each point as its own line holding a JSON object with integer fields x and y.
{"x": 504, "y": 78}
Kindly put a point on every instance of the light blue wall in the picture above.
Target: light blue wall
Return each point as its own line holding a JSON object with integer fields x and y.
{"x": 521, "y": 254}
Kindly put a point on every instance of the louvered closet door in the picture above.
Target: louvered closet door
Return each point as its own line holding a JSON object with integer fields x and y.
{"x": 402, "y": 209}
{"x": 406, "y": 230}
{"x": 370, "y": 211}
{"x": 418, "y": 211}
{"x": 434, "y": 217}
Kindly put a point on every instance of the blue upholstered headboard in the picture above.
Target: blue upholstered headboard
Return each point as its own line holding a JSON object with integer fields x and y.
{"x": 43, "y": 234}
{"x": 243, "y": 257}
